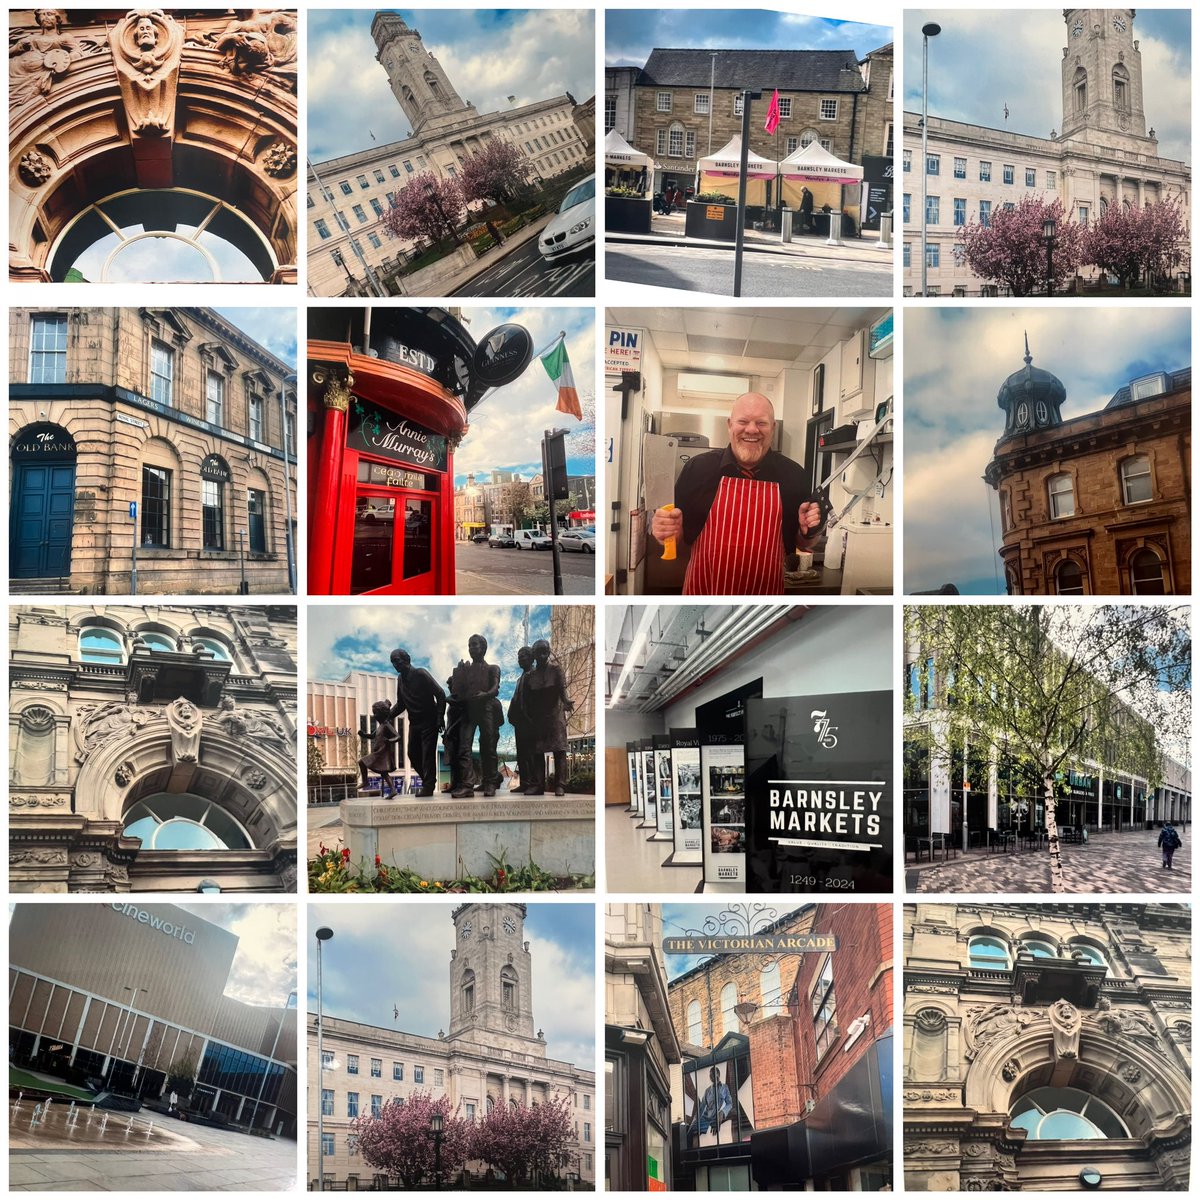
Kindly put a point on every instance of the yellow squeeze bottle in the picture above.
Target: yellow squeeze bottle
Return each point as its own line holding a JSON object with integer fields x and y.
{"x": 669, "y": 545}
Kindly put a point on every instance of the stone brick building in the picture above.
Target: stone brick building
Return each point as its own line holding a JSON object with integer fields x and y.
{"x": 152, "y": 748}
{"x": 152, "y": 146}
{"x": 1047, "y": 1047}
{"x": 828, "y": 96}
{"x": 175, "y": 410}
{"x": 1099, "y": 504}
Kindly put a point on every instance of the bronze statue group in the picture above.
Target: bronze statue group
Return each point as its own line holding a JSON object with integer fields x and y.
{"x": 469, "y": 708}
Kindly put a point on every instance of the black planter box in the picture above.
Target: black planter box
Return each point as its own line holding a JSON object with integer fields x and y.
{"x": 717, "y": 222}
{"x": 626, "y": 214}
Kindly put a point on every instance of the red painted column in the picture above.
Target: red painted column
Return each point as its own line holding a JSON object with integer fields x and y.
{"x": 446, "y": 585}
{"x": 323, "y": 507}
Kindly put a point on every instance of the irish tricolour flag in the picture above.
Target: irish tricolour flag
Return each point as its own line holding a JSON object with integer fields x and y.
{"x": 558, "y": 367}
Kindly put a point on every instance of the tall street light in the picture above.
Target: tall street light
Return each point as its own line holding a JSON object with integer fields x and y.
{"x": 1049, "y": 229}
{"x": 435, "y": 1126}
{"x": 323, "y": 935}
{"x": 927, "y": 31}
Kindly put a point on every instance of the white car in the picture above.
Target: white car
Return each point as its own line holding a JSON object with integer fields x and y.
{"x": 573, "y": 228}
{"x": 531, "y": 539}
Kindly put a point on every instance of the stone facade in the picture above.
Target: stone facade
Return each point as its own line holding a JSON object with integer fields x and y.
{"x": 491, "y": 1054}
{"x": 349, "y": 195}
{"x": 189, "y": 113}
{"x": 1101, "y": 504}
{"x": 152, "y": 748}
{"x": 175, "y": 410}
{"x": 1029, "y": 1028}
{"x": 1101, "y": 155}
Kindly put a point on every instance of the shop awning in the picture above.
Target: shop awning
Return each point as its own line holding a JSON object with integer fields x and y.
{"x": 619, "y": 153}
{"x": 814, "y": 164}
{"x": 728, "y": 162}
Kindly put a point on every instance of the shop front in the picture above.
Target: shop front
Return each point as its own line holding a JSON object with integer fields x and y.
{"x": 389, "y": 393}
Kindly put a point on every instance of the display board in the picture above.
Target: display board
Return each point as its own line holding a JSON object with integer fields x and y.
{"x": 649, "y": 783}
{"x": 665, "y": 788}
{"x": 631, "y": 759}
{"x": 685, "y": 779}
{"x": 820, "y": 794}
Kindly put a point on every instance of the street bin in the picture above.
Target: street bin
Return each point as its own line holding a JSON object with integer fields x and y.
{"x": 786, "y": 232}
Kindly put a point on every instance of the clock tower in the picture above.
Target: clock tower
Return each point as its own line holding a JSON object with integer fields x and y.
{"x": 491, "y": 979}
{"x": 417, "y": 79}
{"x": 1102, "y": 80}
{"x": 1031, "y": 398}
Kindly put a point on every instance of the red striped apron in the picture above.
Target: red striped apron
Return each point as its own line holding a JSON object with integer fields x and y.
{"x": 739, "y": 551}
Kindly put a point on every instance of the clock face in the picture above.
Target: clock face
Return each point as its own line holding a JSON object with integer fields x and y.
{"x": 1077, "y": 29}
{"x": 510, "y": 926}
{"x": 1022, "y": 413}
{"x": 1119, "y": 23}
{"x": 467, "y": 930}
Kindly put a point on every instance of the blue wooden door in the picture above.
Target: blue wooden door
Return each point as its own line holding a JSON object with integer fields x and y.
{"x": 43, "y": 508}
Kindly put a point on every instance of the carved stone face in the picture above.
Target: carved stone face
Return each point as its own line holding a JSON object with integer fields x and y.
{"x": 47, "y": 18}
{"x": 477, "y": 646}
{"x": 145, "y": 35}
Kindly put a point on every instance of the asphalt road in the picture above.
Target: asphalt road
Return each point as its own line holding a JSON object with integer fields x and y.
{"x": 484, "y": 570}
{"x": 525, "y": 273}
{"x": 697, "y": 270}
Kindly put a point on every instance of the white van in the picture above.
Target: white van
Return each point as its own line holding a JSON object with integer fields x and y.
{"x": 532, "y": 539}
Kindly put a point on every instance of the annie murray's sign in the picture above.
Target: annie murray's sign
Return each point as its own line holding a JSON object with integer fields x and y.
{"x": 385, "y": 434}
{"x": 143, "y": 917}
{"x": 752, "y": 943}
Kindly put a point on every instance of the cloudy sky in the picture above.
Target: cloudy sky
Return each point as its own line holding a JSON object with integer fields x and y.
{"x": 507, "y": 427}
{"x": 361, "y": 638}
{"x": 273, "y": 328}
{"x": 630, "y": 34}
{"x": 681, "y": 920}
{"x": 955, "y": 360}
{"x": 385, "y": 956}
{"x": 987, "y": 58}
{"x": 487, "y": 54}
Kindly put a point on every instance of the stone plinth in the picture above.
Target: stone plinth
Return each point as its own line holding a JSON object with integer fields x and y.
{"x": 447, "y": 839}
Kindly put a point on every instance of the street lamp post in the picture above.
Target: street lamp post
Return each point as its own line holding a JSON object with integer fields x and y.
{"x": 435, "y": 1125}
{"x": 1048, "y": 231}
{"x": 323, "y": 935}
{"x": 927, "y": 31}
{"x": 129, "y": 1020}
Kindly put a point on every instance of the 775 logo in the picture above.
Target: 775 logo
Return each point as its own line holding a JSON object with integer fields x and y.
{"x": 826, "y": 733}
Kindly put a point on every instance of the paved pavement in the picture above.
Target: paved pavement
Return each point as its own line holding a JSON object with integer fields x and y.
{"x": 324, "y": 828}
{"x": 1116, "y": 863}
{"x": 215, "y": 1160}
{"x": 488, "y": 570}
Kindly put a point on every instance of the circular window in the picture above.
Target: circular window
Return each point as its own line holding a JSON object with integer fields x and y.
{"x": 174, "y": 236}
{"x": 1051, "y": 1114}
{"x": 184, "y": 822}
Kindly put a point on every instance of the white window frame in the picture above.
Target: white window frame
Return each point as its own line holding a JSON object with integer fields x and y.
{"x": 829, "y": 108}
{"x": 700, "y": 104}
{"x": 1058, "y": 496}
{"x": 1128, "y": 478}
{"x": 662, "y": 102}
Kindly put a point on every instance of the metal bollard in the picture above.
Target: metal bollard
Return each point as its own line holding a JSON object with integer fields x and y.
{"x": 885, "y": 231}
{"x": 835, "y": 228}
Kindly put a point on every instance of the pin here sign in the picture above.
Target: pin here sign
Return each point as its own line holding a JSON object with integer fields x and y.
{"x": 622, "y": 349}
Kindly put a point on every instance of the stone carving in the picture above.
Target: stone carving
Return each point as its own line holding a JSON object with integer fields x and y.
{"x": 1124, "y": 1023}
{"x": 40, "y": 685}
{"x": 287, "y": 877}
{"x": 1181, "y": 1032}
{"x": 930, "y": 1096}
{"x": 124, "y": 774}
{"x": 1066, "y": 1021}
{"x": 38, "y": 59}
{"x": 930, "y": 1147}
{"x": 34, "y": 168}
{"x": 41, "y": 858}
{"x": 36, "y": 716}
{"x": 932, "y": 989}
{"x": 97, "y": 724}
{"x": 983, "y": 1024}
{"x": 256, "y": 780}
{"x": 246, "y": 724}
{"x": 185, "y": 723}
{"x": 1130, "y": 1072}
{"x": 83, "y": 860}
{"x": 263, "y": 43}
{"x": 279, "y": 160}
{"x": 147, "y": 45}
{"x": 930, "y": 927}
{"x": 977, "y": 1150}
{"x": 18, "y": 802}
{"x": 930, "y": 1020}
{"x": 1010, "y": 1070}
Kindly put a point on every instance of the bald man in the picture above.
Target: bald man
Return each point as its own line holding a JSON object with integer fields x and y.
{"x": 741, "y": 509}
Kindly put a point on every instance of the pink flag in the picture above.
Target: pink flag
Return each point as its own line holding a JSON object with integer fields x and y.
{"x": 773, "y": 114}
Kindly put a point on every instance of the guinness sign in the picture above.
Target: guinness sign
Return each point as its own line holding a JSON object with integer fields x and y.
{"x": 502, "y": 355}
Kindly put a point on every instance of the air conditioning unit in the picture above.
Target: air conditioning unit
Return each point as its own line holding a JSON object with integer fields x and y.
{"x": 711, "y": 387}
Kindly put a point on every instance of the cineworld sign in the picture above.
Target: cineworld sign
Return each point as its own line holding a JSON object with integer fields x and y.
{"x": 180, "y": 932}
{"x": 753, "y": 943}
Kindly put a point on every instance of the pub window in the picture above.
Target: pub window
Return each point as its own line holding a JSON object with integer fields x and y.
{"x": 156, "y": 507}
{"x": 1136, "y": 485}
{"x": 48, "y": 349}
{"x": 162, "y": 371}
{"x": 213, "y": 505}
{"x": 256, "y": 510}
{"x": 101, "y": 646}
{"x": 214, "y": 392}
{"x": 256, "y": 418}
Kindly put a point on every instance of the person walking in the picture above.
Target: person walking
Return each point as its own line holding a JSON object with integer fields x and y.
{"x": 1169, "y": 841}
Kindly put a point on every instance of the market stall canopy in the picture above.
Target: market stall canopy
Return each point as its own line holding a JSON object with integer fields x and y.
{"x": 619, "y": 153}
{"x": 728, "y": 161}
{"x": 814, "y": 164}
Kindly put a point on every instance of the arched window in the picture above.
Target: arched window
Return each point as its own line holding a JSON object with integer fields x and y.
{"x": 158, "y": 643}
{"x": 1146, "y": 574}
{"x": 101, "y": 646}
{"x": 1068, "y": 578}
{"x": 676, "y": 140}
{"x": 1012, "y": 580}
{"x": 695, "y": 1024}
{"x": 1051, "y": 1114}
{"x": 184, "y": 822}
{"x": 1039, "y": 947}
{"x": 770, "y": 986}
{"x": 808, "y": 137}
{"x": 468, "y": 991}
{"x": 1120, "y": 82}
{"x": 218, "y": 649}
{"x": 1089, "y": 953}
{"x": 1136, "y": 484}
{"x": 987, "y": 953}
{"x": 508, "y": 989}
{"x": 1079, "y": 89}
{"x": 729, "y": 1018}
{"x": 1061, "y": 490}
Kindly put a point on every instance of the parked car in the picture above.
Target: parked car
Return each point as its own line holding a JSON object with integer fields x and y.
{"x": 583, "y": 540}
{"x": 479, "y": 538}
{"x": 503, "y": 540}
{"x": 531, "y": 539}
{"x": 573, "y": 228}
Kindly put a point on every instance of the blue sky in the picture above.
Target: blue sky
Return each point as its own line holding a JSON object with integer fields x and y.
{"x": 389, "y": 955}
{"x": 362, "y": 637}
{"x": 506, "y": 428}
{"x": 272, "y": 328}
{"x": 955, "y": 360}
{"x": 680, "y": 920}
{"x": 986, "y": 58}
{"x": 630, "y": 34}
{"x": 487, "y": 54}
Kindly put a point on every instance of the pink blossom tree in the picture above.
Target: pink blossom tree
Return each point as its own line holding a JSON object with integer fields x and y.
{"x": 429, "y": 207}
{"x": 1128, "y": 242}
{"x": 400, "y": 1141}
{"x": 494, "y": 173}
{"x": 1011, "y": 250}
{"x": 523, "y": 1142}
